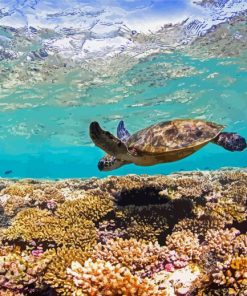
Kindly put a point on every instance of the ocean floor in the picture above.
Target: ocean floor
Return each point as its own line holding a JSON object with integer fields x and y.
{"x": 181, "y": 234}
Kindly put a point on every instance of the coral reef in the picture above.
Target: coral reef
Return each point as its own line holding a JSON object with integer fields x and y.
{"x": 182, "y": 234}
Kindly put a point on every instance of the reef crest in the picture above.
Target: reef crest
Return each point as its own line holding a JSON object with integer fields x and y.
{"x": 182, "y": 234}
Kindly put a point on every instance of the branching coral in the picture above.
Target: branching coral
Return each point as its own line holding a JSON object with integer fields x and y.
{"x": 227, "y": 210}
{"x": 232, "y": 274}
{"x": 42, "y": 226}
{"x": 240, "y": 245}
{"x": 138, "y": 256}
{"x": 184, "y": 243}
{"x": 237, "y": 192}
{"x": 56, "y": 275}
{"x": 152, "y": 222}
{"x": 31, "y": 224}
{"x": 21, "y": 271}
{"x": 17, "y": 197}
{"x": 145, "y": 259}
{"x": 41, "y": 197}
{"x": 146, "y": 222}
{"x": 220, "y": 243}
{"x": 201, "y": 225}
{"x": 192, "y": 187}
{"x": 19, "y": 189}
{"x": 108, "y": 229}
{"x": 90, "y": 207}
{"x": 218, "y": 250}
{"x": 101, "y": 278}
{"x": 21, "y": 196}
{"x": 7, "y": 292}
{"x": 229, "y": 177}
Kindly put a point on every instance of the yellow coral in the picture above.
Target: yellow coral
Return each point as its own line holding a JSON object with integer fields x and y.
{"x": 90, "y": 207}
{"x": 237, "y": 192}
{"x": 42, "y": 226}
{"x": 19, "y": 189}
{"x": 228, "y": 210}
{"x": 146, "y": 222}
{"x": 192, "y": 187}
{"x": 130, "y": 183}
{"x": 56, "y": 275}
{"x": 232, "y": 274}
{"x": 237, "y": 276}
{"x": 201, "y": 225}
{"x": 232, "y": 176}
{"x": 72, "y": 226}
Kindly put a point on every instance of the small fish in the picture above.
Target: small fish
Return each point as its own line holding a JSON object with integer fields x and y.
{"x": 8, "y": 172}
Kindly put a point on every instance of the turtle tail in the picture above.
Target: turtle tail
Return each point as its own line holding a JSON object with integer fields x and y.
{"x": 231, "y": 141}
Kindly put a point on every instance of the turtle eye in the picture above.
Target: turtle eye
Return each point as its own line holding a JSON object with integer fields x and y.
{"x": 101, "y": 165}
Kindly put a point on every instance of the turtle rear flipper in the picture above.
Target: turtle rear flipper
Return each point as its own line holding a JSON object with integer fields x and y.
{"x": 231, "y": 141}
{"x": 106, "y": 141}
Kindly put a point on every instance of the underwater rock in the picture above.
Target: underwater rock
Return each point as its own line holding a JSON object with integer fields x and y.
{"x": 181, "y": 234}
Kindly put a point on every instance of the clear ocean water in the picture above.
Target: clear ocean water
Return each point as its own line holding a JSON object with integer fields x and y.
{"x": 46, "y": 108}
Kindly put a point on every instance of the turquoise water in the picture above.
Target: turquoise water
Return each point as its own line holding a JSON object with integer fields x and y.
{"x": 44, "y": 125}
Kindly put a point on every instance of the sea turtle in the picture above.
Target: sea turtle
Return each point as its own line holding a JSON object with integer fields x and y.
{"x": 160, "y": 143}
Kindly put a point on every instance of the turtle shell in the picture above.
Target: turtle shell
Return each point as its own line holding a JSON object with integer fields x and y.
{"x": 180, "y": 134}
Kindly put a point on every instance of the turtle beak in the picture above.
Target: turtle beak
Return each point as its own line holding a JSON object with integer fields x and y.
{"x": 94, "y": 129}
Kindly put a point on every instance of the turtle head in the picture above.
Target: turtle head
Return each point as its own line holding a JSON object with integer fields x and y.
{"x": 109, "y": 163}
{"x": 107, "y": 142}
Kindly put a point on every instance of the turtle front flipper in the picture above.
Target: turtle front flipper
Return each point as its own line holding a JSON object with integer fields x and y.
{"x": 106, "y": 141}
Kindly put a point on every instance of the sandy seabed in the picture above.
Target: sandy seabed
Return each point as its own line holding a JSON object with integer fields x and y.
{"x": 181, "y": 234}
